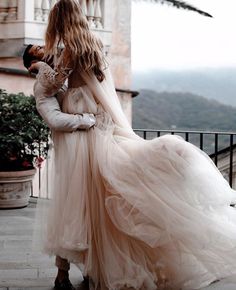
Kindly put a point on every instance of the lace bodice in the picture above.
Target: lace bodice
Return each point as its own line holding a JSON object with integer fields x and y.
{"x": 79, "y": 100}
{"x": 51, "y": 80}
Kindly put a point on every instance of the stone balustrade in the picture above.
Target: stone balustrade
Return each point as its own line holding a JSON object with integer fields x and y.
{"x": 24, "y": 22}
{"x": 8, "y": 10}
{"x": 41, "y": 9}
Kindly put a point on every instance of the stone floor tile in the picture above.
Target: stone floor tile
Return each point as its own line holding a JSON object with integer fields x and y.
{"x": 18, "y": 231}
{"x": 30, "y": 288}
{"x": 27, "y": 283}
{"x": 2, "y": 245}
{"x": 22, "y": 268}
{"x": 18, "y": 274}
{"x": 17, "y": 244}
{"x": 15, "y": 237}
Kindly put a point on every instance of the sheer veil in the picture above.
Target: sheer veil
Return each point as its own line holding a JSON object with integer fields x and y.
{"x": 106, "y": 94}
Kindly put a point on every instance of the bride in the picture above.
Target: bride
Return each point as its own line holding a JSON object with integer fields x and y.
{"x": 131, "y": 213}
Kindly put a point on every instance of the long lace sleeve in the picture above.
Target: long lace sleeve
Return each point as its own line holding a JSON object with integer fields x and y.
{"x": 51, "y": 80}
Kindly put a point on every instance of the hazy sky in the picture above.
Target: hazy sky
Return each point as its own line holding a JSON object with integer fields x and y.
{"x": 164, "y": 37}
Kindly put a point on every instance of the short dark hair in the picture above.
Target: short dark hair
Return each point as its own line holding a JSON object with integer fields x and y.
{"x": 27, "y": 57}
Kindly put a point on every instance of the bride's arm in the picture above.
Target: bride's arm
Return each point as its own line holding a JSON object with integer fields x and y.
{"x": 48, "y": 83}
{"x": 51, "y": 80}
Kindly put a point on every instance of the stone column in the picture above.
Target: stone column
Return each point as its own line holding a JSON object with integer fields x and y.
{"x": 120, "y": 51}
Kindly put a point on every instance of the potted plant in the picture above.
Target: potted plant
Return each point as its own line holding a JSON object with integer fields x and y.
{"x": 23, "y": 145}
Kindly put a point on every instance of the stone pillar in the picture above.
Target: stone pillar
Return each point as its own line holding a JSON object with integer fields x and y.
{"x": 21, "y": 10}
{"x": 120, "y": 51}
{"x": 29, "y": 10}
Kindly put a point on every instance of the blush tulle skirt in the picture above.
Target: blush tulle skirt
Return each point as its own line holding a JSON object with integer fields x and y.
{"x": 137, "y": 214}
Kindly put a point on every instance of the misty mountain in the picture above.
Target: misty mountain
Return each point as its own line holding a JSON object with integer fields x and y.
{"x": 217, "y": 84}
{"x": 165, "y": 110}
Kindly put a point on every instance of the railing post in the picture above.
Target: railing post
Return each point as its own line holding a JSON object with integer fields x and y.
{"x": 38, "y": 12}
{"x": 216, "y": 149}
{"x": 29, "y": 10}
{"x": 91, "y": 14}
{"x": 12, "y": 10}
{"x": 4, "y": 4}
{"x": 186, "y": 136}
{"x": 201, "y": 141}
{"x": 231, "y": 160}
{"x": 98, "y": 14}
{"x": 21, "y": 10}
{"x": 145, "y": 134}
{"x": 45, "y": 9}
{"x": 52, "y": 3}
{"x": 83, "y": 5}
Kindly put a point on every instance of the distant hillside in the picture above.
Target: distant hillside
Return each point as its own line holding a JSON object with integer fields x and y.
{"x": 181, "y": 111}
{"x": 218, "y": 84}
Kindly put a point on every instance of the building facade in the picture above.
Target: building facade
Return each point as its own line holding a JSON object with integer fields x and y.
{"x": 23, "y": 22}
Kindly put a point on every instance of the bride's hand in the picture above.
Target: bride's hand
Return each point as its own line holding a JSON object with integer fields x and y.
{"x": 99, "y": 118}
{"x": 35, "y": 66}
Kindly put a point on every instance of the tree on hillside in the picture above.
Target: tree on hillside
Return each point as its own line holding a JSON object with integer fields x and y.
{"x": 181, "y": 5}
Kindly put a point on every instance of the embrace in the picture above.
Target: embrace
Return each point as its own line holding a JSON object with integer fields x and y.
{"x": 130, "y": 213}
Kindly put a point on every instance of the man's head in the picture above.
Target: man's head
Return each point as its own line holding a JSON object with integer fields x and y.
{"x": 32, "y": 53}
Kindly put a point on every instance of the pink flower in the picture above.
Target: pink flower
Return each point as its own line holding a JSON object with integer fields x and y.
{"x": 39, "y": 160}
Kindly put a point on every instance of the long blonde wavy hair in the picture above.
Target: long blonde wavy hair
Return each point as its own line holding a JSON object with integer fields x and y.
{"x": 67, "y": 24}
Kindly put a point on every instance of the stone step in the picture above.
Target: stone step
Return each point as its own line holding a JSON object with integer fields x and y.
{"x": 16, "y": 231}
{"x": 27, "y": 212}
{"x": 13, "y": 226}
{"x": 8, "y": 274}
{"x": 21, "y": 221}
{"x": 27, "y": 283}
{"x": 28, "y": 288}
{"x": 35, "y": 277}
{"x": 16, "y": 244}
{"x": 15, "y": 238}
{"x": 29, "y": 263}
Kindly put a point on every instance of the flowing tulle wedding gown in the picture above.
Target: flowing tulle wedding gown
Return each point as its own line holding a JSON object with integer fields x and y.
{"x": 131, "y": 213}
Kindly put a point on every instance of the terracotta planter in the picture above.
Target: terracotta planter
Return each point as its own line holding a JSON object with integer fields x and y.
{"x": 15, "y": 188}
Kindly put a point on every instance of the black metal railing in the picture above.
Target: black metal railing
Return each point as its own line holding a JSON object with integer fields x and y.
{"x": 215, "y": 144}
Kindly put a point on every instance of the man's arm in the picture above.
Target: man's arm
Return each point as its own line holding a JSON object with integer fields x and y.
{"x": 49, "y": 109}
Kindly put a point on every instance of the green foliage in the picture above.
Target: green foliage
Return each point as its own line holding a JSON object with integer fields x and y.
{"x": 182, "y": 111}
{"x": 23, "y": 134}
